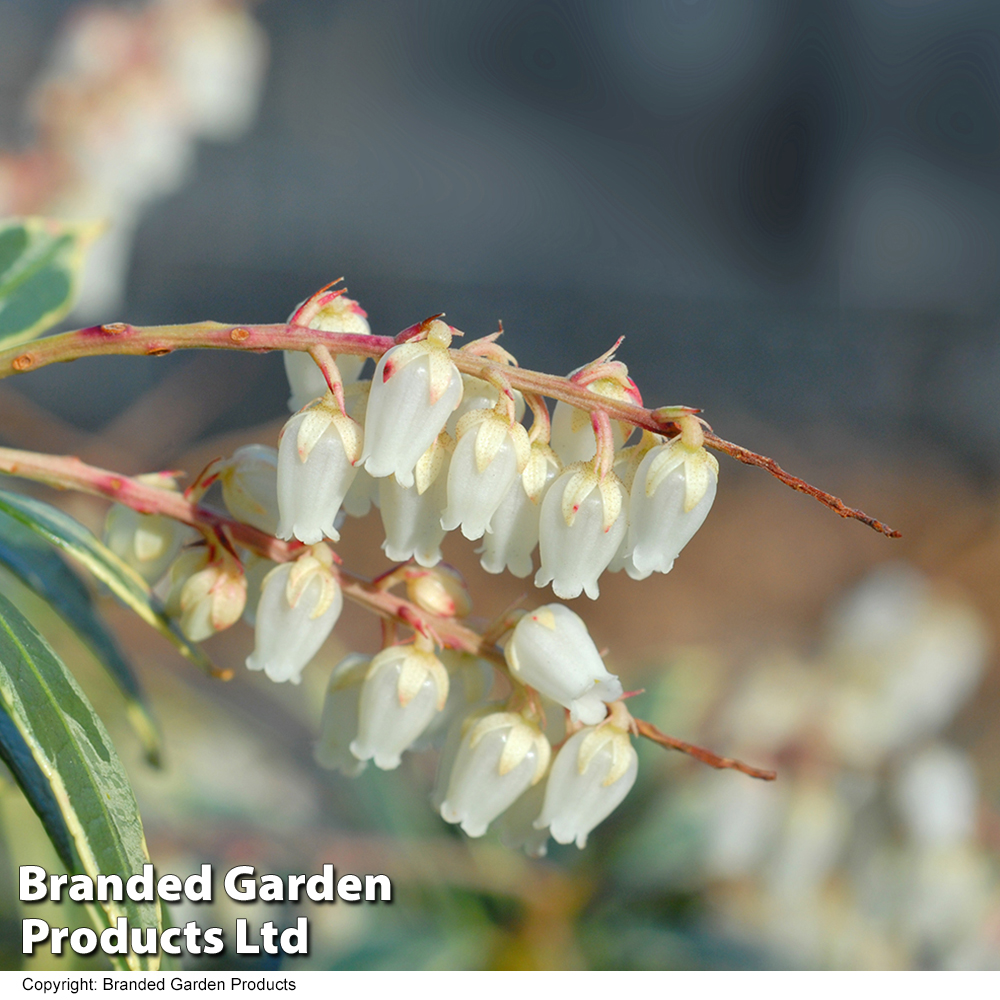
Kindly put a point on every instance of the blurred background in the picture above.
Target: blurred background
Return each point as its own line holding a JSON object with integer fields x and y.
{"x": 792, "y": 212}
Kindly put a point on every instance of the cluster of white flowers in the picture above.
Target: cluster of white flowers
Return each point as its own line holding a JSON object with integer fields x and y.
{"x": 436, "y": 451}
{"x": 496, "y": 760}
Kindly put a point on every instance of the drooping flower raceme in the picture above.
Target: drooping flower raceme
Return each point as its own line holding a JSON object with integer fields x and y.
{"x": 672, "y": 493}
{"x": 335, "y": 312}
{"x": 490, "y": 454}
{"x": 513, "y": 532}
{"x": 317, "y": 453}
{"x": 300, "y": 603}
{"x": 414, "y": 390}
{"x": 250, "y": 486}
{"x": 500, "y": 757}
{"x": 581, "y": 525}
{"x": 403, "y": 689}
{"x": 592, "y": 773}
{"x": 339, "y": 724}
{"x": 207, "y": 591}
{"x": 411, "y": 516}
{"x": 551, "y": 650}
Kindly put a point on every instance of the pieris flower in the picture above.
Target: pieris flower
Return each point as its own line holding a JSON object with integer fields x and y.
{"x": 582, "y": 523}
{"x": 478, "y": 394}
{"x": 415, "y": 389}
{"x": 335, "y": 312}
{"x": 411, "y": 516}
{"x": 363, "y": 491}
{"x": 207, "y": 592}
{"x": 513, "y": 532}
{"x": 402, "y": 691}
{"x": 250, "y": 486}
{"x": 300, "y": 603}
{"x": 551, "y": 650}
{"x": 500, "y": 757}
{"x": 149, "y": 543}
{"x": 317, "y": 453}
{"x": 469, "y": 682}
{"x": 339, "y": 724}
{"x": 673, "y": 491}
{"x": 255, "y": 569}
{"x": 592, "y": 773}
{"x": 490, "y": 454}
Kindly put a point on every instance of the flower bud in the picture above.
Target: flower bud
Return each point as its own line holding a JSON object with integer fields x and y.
{"x": 551, "y": 651}
{"x": 207, "y": 592}
{"x": 300, "y": 603}
{"x": 500, "y": 757}
{"x": 513, "y": 532}
{"x": 411, "y": 516}
{"x": 403, "y": 690}
{"x": 673, "y": 491}
{"x": 440, "y": 591}
{"x": 339, "y": 724}
{"x": 316, "y": 463}
{"x": 590, "y": 776}
{"x": 581, "y": 525}
{"x": 414, "y": 390}
{"x": 334, "y": 312}
{"x": 250, "y": 486}
{"x": 490, "y": 454}
{"x": 147, "y": 542}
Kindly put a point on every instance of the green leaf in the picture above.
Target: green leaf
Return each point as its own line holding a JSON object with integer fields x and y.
{"x": 73, "y": 538}
{"x": 45, "y": 572}
{"x": 74, "y": 753}
{"x": 40, "y": 265}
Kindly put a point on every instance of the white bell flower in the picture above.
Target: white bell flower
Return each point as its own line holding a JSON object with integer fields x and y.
{"x": 411, "y": 516}
{"x": 363, "y": 491}
{"x": 513, "y": 532}
{"x": 478, "y": 394}
{"x": 573, "y": 438}
{"x": 500, "y": 758}
{"x": 149, "y": 543}
{"x": 551, "y": 650}
{"x": 517, "y": 825}
{"x": 300, "y": 603}
{"x": 416, "y": 387}
{"x": 581, "y": 525}
{"x": 339, "y": 724}
{"x": 592, "y": 773}
{"x": 317, "y": 453}
{"x": 673, "y": 491}
{"x": 250, "y": 486}
{"x": 469, "y": 682}
{"x": 208, "y": 592}
{"x": 334, "y": 312}
{"x": 490, "y": 454}
{"x": 403, "y": 690}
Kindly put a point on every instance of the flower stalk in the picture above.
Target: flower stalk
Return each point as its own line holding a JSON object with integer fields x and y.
{"x": 124, "y": 338}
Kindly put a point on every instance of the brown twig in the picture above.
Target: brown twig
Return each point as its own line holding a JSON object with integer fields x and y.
{"x": 650, "y": 731}
{"x": 123, "y": 338}
{"x": 835, "y": 504}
